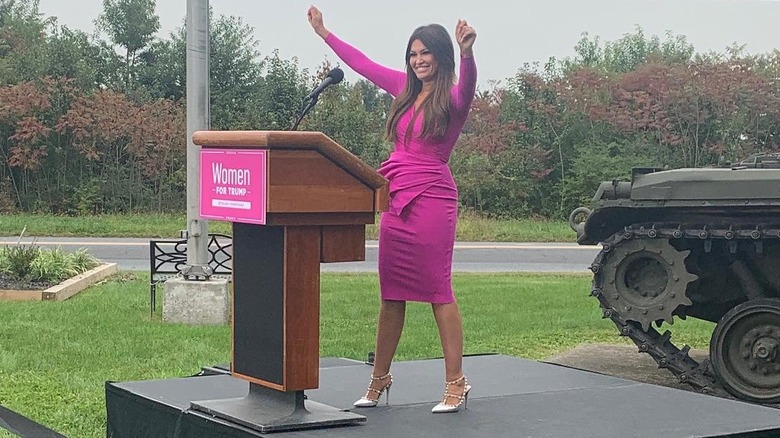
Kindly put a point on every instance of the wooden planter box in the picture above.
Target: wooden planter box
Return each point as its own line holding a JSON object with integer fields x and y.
{"x": 64, "y": 290}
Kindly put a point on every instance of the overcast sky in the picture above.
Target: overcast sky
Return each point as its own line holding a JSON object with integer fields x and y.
{"x": 510, "y": 32}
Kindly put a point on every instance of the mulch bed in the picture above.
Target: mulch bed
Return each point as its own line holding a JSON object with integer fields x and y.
{"x": 12, "y": 284}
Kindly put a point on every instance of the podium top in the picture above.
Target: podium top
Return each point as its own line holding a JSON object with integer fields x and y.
{"x": 293, "y": 140}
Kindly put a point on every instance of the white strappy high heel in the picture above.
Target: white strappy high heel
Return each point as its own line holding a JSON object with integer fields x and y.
{"x": 463, "y": 399}
{"x": 366, "y": 402}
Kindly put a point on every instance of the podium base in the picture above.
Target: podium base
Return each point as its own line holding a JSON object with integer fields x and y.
{"x": 267, "y": 410}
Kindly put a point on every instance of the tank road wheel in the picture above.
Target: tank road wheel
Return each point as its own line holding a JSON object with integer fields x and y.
{"x": 645, "y": 280}
{"x": 745, "y": 350}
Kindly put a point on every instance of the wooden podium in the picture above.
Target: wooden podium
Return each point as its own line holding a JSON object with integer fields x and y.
{"x": 318, "y": 198}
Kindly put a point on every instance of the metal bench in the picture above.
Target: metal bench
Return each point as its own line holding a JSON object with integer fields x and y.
{"x": 168, "y": 257}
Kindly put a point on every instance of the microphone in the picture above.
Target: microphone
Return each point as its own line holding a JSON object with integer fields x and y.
{"x": 334, "y": 77}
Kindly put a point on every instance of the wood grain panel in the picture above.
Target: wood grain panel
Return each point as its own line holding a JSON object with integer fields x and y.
{"x": 298, "y": 168}
{"x": 318, "y": 199}
{"x": 306, "y": 181}
{"x": 20, "y": 295}
{"x": 261, "y": 382}
{"x": 382, "y": 199}
{"x": 290, "y": 219}
{"x": 343, "y": 243}
{"x": 302, "y": 308}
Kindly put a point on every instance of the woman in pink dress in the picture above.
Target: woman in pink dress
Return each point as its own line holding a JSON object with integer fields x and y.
{"x": 417, "y": 234}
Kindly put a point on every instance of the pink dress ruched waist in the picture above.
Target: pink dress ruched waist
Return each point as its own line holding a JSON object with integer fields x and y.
{"x": 411, "y": 175}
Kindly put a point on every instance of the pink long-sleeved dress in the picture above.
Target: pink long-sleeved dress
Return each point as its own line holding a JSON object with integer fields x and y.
{"x": 417, "y": 234}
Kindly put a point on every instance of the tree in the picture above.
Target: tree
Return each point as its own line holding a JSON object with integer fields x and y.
{"x": 282, "y": 89}
{"x": 130, "y": 153}
{"x": 130, "y": 24}
{"x": 22, "y": 41}
{"x": 630, "y": 51}
{"x": 73, "y": 54}
{"x": 494, "y": 174}
{"x": 162, "y": 69}
{"x": 236, "y": 73}
{"x": 13, "y": 10}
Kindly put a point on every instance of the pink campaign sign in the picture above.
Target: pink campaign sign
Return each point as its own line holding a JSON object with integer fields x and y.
{"x": 233, "y": 185}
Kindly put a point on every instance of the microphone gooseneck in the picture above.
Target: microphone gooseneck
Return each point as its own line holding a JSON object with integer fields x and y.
{"x": 334, "y": 77}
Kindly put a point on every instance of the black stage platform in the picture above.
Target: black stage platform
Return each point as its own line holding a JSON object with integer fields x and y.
{"x": 24, "y": 427}
{"x": 511, "y": 397}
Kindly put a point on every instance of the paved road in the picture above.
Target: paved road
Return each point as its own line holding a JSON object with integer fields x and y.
{"x": 133, "y": 254}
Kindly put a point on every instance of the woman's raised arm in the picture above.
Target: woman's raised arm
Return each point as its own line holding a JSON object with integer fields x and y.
{"x": 383, "y": 77}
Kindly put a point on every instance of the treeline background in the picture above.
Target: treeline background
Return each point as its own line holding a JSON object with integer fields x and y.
{"x": 91, "y": 126}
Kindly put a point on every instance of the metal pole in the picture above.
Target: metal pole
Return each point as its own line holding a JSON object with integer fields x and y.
{"x": 198, "y": 118}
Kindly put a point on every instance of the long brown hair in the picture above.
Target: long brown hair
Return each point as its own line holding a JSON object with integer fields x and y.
{"x": 436, "y": 107}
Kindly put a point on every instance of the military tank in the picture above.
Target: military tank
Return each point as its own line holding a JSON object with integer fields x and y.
{"x": 694, "y": 243}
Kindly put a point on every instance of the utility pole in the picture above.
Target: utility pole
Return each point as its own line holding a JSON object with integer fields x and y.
{"x": 206, "y": 301}
{"x": 198, "y": 119}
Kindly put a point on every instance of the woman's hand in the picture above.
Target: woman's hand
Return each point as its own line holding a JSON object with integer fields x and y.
{"x": 315, "y": 19}
{"x": 465, "y": 36}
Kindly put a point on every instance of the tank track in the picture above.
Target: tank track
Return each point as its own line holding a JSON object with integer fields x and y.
{"x": 659, "y": 346}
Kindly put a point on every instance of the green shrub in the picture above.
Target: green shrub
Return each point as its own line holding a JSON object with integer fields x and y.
{"x": 17, "y": 260}
{"x": 31, "y": 263}
{"x": 82, "y": 261}
{"x": 52, "y": 266}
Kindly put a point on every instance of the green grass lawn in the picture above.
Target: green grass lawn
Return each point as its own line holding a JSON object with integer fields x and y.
{"x": 470, "y": 227}
{"x": 56, "y": 356}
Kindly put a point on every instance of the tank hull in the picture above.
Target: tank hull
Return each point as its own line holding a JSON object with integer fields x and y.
{"x": 700, "y": 243}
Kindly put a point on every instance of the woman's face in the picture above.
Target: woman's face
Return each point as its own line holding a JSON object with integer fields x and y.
{"x": 422, "y": 62}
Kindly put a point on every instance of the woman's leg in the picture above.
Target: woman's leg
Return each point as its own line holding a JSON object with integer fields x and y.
{"x": 388, "y": 333}
{"x": 450, "y": 327}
